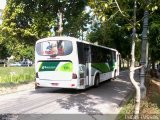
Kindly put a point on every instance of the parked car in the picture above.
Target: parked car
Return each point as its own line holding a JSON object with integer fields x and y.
{"x": 15, "y": 64}
{"x": 26, "y": 64}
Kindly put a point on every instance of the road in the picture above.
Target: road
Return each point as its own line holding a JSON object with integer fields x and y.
{"x": 101, "y": 103}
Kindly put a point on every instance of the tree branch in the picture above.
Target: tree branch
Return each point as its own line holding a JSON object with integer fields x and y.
{"x": 119, "y": 9}
{"x": 113, "y": 15}
{"x": 136, "y": 68}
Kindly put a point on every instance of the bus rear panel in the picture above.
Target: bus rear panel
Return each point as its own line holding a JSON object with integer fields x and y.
{"x": 54, "y": 63}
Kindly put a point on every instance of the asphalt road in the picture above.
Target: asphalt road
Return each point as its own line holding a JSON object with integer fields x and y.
{"x": 102, "y": 103}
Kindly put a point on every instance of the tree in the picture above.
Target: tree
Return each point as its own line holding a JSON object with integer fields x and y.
{"x": 119, "y": 32}
{"x": 150, "y": 6}
{"x": 4, "y": 53}
{"x": 154, "y": 37}
{"x": 25, "y": 21}
{"x": 107, "y": 10}
{"x": 110, "y": 9}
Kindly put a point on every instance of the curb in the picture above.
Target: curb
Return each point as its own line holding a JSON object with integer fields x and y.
{"x": 126, "y": 98}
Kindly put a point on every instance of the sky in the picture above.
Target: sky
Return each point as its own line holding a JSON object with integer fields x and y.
{"x": 2, "y": 4}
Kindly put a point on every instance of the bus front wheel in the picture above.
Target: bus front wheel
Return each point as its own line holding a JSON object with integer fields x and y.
{"x": 97, "y": 80}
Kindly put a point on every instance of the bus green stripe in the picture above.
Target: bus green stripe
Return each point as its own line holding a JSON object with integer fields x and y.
{"x": 48, "y": 66}
{"x": 67, "y": 67}
{"x": 103, "y": 67}
{"x": 56, "y": 66}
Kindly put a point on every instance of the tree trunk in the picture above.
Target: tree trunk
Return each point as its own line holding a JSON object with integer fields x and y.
{"x": 153, "y": 65}
{"x": 132, "y": 67}
{"x": 153, "y": 71}
{"x": 123, "y": 63}
{"x": 128, "y": 62}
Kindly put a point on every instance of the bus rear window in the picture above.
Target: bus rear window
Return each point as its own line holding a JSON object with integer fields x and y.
{"x": 56, "y": 48}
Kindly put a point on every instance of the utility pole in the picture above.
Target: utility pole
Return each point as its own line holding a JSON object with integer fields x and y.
{"x": 144, "y": 53}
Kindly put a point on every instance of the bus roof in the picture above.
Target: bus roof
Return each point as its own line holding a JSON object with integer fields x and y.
{"x": 71, "y": 39}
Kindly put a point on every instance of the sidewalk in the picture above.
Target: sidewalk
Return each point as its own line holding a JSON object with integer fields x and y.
{"x": 17, "y": 88}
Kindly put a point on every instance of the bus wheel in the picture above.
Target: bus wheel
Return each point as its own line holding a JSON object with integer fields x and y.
{"x": 36, "y": 86}
{"x": 114, "y": 75}
{"x": 96, "y": 82}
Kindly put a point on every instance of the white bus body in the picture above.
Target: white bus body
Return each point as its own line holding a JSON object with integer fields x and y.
{"x": 67, "y": 62}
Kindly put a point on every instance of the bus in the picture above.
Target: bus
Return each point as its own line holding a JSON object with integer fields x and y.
{"x": 67, "y": 62}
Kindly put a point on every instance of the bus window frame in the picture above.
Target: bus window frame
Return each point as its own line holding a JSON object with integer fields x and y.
{"x": 41, "y": 48}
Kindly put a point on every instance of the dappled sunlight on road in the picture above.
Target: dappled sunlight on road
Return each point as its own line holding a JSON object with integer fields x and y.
{"x": 104, "y": 100}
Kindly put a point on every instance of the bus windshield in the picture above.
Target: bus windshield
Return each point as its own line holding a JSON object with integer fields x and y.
{"x": 55, "y": 48}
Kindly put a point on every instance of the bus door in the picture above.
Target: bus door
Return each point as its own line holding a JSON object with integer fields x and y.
{"x": 118, "y": 62}
{"x": 87, "y": 64}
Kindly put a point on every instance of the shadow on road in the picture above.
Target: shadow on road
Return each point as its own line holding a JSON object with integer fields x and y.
{"x": 56, "y": 90}
{"x": 82, "y": 101}
{"x": 102, "y": 100}
{"x": 109, "y": 95}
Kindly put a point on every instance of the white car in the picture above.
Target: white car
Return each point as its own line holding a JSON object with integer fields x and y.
{"x": 15, "y": 64}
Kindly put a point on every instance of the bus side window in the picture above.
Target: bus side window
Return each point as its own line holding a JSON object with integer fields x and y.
{"x": 81, "y": 57}
{"x": 86, "y": 55}
{"x": 108, "y": 58}
{"x": 67, "y": 47}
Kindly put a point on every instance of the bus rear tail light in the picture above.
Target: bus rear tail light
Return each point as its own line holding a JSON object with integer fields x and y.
{"x": 74, "y": 76}
{"x": 72, "y": 85}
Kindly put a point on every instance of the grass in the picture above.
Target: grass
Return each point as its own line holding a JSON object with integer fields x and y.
{"x": 149, "y": 106}
{"x": 127, "y": 109}
{"x": 16, "y": 75}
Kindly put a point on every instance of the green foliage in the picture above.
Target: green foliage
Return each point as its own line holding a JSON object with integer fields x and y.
{"x": 115, "y": 28}
{"x": 4, "y": 53}
{"x": 119, "y": 23}
{"x": 76, "y": 24}
{"x": 112, "y": 35}
{"x": 154, "y": 36}
{"x": 74, "y": 18}
{"x": 30, "y": 20}
{"x": 147, "y": 108}
{"x": 25, "y": 21}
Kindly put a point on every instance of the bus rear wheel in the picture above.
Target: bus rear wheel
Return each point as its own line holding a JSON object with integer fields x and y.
{"x": 36, "y": 87}
{"x": 114, "y": 75}
{"x": 97, "y": 80}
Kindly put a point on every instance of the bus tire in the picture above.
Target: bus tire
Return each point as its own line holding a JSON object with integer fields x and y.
{"x": 96, "y": 81}
{"x": 36, "y": 86}
{"x": 114, "y": 75}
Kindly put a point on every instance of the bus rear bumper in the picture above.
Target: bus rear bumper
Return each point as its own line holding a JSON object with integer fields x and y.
{"x": 57, "y": 84}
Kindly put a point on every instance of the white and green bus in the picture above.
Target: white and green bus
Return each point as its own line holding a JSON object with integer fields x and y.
{"x": 67, "y": 62}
